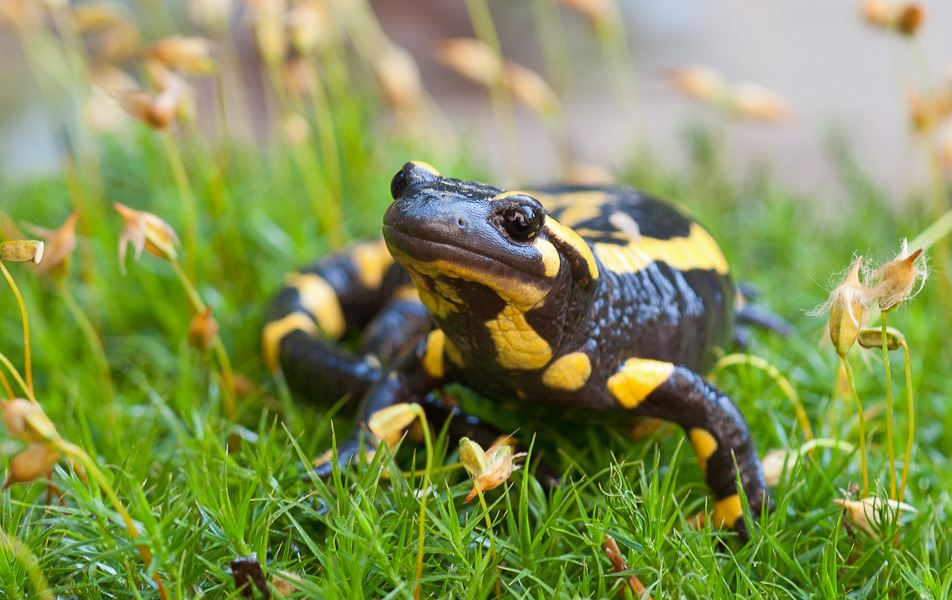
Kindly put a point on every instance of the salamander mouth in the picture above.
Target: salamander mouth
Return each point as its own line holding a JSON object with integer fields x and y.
{"x": 434, "y": 257}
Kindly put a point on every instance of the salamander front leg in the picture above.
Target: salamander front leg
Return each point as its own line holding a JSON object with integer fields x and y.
{"x": 714, "y": 426}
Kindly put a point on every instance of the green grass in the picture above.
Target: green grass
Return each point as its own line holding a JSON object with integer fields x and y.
{"x": 164, "y": 437}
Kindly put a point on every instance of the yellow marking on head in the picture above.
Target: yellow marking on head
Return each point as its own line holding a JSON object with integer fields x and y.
{"x": 637, "y": 378}
{"x": 276, "y": 331}
{"x": 573, "y": 215}
{"x": 433, "y": 354}
{"x": 696, "y": 251}
{"x": 567, "y": 237}
{"x": 518, "y": 345}
{"x": 319, "y": 299}
{"x": 704, "y": 446}
{"x": 509, "y": 194}
{"x": 592, "y": 198}
{"x": 511, "y": 289}
{"x": 438, "y": 306}
{"x": 551, "y": 259}
{"x": 727, "y": 511}
{"x": 569, "y": 373}
{"x": 425, "y": 165}
{"x": 371, "y": 261}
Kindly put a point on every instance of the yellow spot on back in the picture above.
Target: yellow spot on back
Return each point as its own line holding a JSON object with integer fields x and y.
{"x": 433, "y": 354}
{"x": 319, "y": 299}
{"x": 591, "y": 198}
{"x": 569, "y": 372}
{"x": 637, "y": 378}
{"x": 573, "y": 215}
{"x": 704, "y": 446}
{"x": 569, "y": 238}
{"x": 696, "y": 251}
{"x": 727, "y": 511}
{"x": 453, "y": 353}
{"x": 276, "y": 331}
{"x": 509, "y": 194}
{"x": 371, "y": 261}
{"x": 626, "y": 224}
{"x": 518, "y": 345}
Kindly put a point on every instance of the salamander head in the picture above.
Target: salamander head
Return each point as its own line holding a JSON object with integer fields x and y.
{"x": 461, "y": 239}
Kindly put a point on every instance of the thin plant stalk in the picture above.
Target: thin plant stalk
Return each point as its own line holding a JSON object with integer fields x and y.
{"x": 188, "y": 198}
{"x": 330, "y": 151}
{"x": 89, "y": 332}
{"x": 89, "y": 465}
{"x": 224, "y": 362}
{"x": 912, "y": 423}
{"x": 492, "y": 538}
{"x": 428, "y": 442}
{"x": 26, "y": 328}
{"x": 862, "y": 423}
{"x": 555, "y": 51}
{"x": 889, "y": 410}
{"x": 6, "y": 384}
{"x": 309, "y": 166}
{"x": 19, "y": 380}
{"x": 502, "y": 101}
{"x": 611, "y": 40}
{"x": 777, "y": 376}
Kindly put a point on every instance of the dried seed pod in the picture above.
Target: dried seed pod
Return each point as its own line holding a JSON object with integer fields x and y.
{"x": 873, "y": 338}
{"x": 529, "y": 88}
{"x": 896, "y": 279}
{"x": 489, "y": 469}
{"x": 32, "y": 463}
{"x": 753, "y": 101}
{"x": 59, "y": 248}
{"x": 702, "y": 83}
{"x": 905, "y": 18}
{"x": 145, "y": 231}
{"x": 597, "y": 12}
{"x": 26, "y": 420}
{"x": 909, "y": 18}
{"x": 202, "y": 330}
{"x": 211, "y": 14}
{"x": 398, "y": 78}
{"x": 847, "y": 306}
{"x": 190, "y": 55}
{"x": 21, "y": 251}
{"x": 873, "y": 514}
{"x": 309, "y": 26}
{"x": 472, "y": 59}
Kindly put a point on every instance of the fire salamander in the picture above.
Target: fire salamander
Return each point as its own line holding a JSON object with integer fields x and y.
{"x": 593, "y": 298}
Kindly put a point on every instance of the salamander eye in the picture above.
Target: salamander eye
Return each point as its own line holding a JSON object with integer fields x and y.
{"x": 398, "y": 184}
{"x": 523, "y": 222}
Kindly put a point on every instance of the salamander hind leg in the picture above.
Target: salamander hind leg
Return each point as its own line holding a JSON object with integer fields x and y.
{"x": 714, "y": 426}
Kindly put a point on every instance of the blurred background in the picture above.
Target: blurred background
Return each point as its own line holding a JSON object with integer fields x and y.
{"x": 842, "y": 77}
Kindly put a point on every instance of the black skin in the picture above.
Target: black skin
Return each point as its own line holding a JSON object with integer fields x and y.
{"x": 659, "y": 313}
